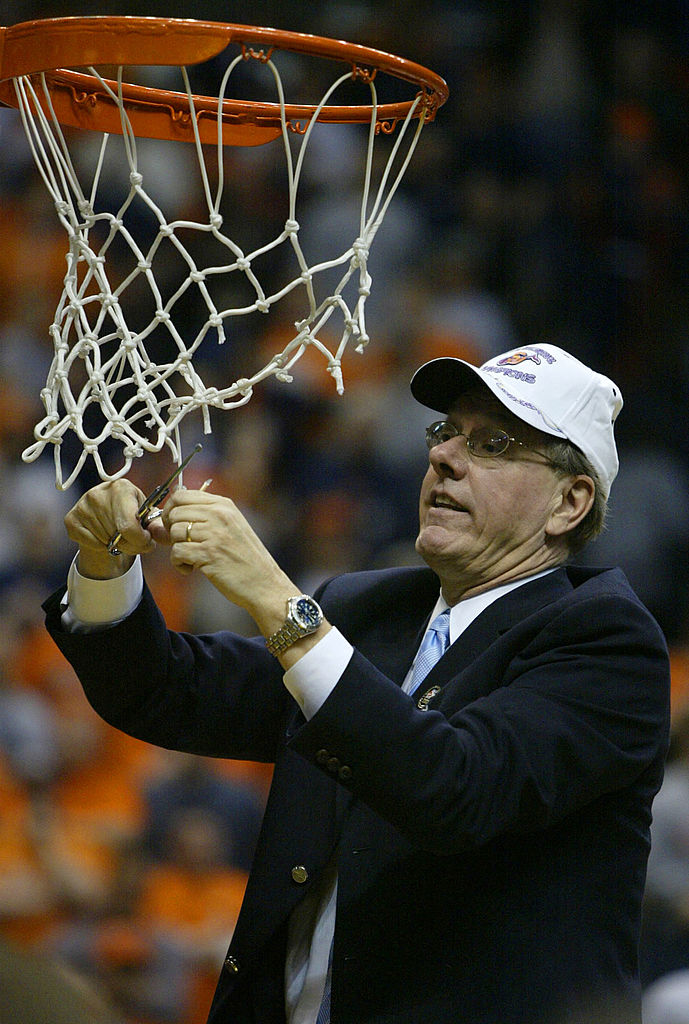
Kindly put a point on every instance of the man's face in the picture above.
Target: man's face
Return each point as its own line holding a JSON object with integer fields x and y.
{"x": 484, "y": 520}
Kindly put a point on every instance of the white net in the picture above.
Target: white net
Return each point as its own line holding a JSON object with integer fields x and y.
{"x": 107, "y": 361}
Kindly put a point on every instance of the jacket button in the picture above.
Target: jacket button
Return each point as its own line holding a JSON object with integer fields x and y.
{"x": 300, "y": 874}
{"x": 322, "y": 756}
{"x": 345, "y": 773}
{"x": 232, "y": 965}
{"x": 333, "y": 764}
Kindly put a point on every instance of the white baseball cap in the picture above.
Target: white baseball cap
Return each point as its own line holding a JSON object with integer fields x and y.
{"x": 542, "y": 385}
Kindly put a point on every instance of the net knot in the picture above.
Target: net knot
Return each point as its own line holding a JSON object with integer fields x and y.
{"x": 335, "y": 370}
{"x": 262, "y": 305}
{"x": 86, "y": 211}
{"x": 197, "y": 276}
{"x": 361, "y": 251}
{"x": 244, "y": 386}
{"x": 215, "y": 220}
{"x": 291, "y": 227}
{"x": 62, "y": 207}
{"x": 243, "y": 263}
{"x": 162, "y": 317}
{"x": 280, "y": 373}
{"x": 136, "y": 178}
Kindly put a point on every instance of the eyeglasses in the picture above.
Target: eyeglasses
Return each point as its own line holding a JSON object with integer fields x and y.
{"x": 484, "y": 443}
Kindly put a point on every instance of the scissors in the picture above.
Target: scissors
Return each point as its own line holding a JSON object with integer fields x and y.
{"x": 147, "y": 512}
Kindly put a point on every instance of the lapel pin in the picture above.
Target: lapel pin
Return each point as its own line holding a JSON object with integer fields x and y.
{"x": 423, "y": 702}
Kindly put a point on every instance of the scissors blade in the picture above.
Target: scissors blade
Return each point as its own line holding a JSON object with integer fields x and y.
{"x": 162, "y": 490}
{"x": 156, "y": 495}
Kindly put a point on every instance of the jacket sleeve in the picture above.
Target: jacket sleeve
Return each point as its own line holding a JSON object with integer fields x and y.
{"x": 219, "y": 695}
{"x": 580, "y": 711}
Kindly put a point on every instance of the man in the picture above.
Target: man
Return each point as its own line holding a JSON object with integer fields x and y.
{"x": 470, "y": 848}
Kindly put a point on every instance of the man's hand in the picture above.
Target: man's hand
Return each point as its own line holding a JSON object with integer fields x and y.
{"x": 205, "y": 532}
{"x": 105, "y": 510}
{"x": 209, "y": 533}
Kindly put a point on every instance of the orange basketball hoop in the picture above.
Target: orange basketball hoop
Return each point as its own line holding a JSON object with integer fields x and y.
{"x": 79, "y": 100}
{"x": 80, "y": 73}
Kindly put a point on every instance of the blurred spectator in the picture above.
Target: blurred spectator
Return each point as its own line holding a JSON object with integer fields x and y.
{"x": 556, "y": 92}
{"x": 187, "y": 784}
{"x": 666, "y": 934}
{"x": 648, "y": 533}
{"x": 143, "y": 973}
{"x": 191, "y": 898}
{"x": 666, "y": 1001}
{"x": 36, "y": 992}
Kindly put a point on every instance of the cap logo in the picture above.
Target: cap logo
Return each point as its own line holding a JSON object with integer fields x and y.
{"x": 520, "y": 357}
{"x": 508, "y": 371}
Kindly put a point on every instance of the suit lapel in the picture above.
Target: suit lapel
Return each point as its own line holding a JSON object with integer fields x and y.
{"x": 397, "y": 626}
{"x": 496, "y": 619}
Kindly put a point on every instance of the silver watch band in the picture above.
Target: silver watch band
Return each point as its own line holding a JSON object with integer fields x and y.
{"x": 283, "y": 638}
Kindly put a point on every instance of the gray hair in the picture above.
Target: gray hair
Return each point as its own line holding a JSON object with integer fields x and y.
{"x": 570, "y": 461}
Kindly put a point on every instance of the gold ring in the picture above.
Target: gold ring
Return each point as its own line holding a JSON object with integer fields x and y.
{"x": 189, "y": 526}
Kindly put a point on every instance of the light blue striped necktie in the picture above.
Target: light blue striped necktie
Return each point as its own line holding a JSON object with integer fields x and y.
{"x": 324, "y": 1012}
{"x": 434, "y": 645}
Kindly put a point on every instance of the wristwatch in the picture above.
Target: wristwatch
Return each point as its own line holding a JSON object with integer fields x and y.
{"x": 304, "y": 616}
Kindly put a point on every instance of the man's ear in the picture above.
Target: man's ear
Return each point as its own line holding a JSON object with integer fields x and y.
{"x": 572, "y": 502}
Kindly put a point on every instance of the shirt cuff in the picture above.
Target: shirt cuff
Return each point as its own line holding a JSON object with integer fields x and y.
{"x": 312, "y": 679}
{"x": 97, "y": 604}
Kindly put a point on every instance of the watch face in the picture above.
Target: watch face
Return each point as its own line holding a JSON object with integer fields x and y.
{"x": 307, "y": 613}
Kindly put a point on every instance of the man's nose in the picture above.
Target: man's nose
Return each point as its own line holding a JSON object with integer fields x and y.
{"x": 450, "y": 458}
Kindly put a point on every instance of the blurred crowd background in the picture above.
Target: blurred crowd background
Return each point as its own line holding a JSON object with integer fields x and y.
{"x": 547, "y": 203}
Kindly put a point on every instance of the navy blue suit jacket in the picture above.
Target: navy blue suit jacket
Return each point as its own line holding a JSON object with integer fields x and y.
{"x": 491, "y": 850}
